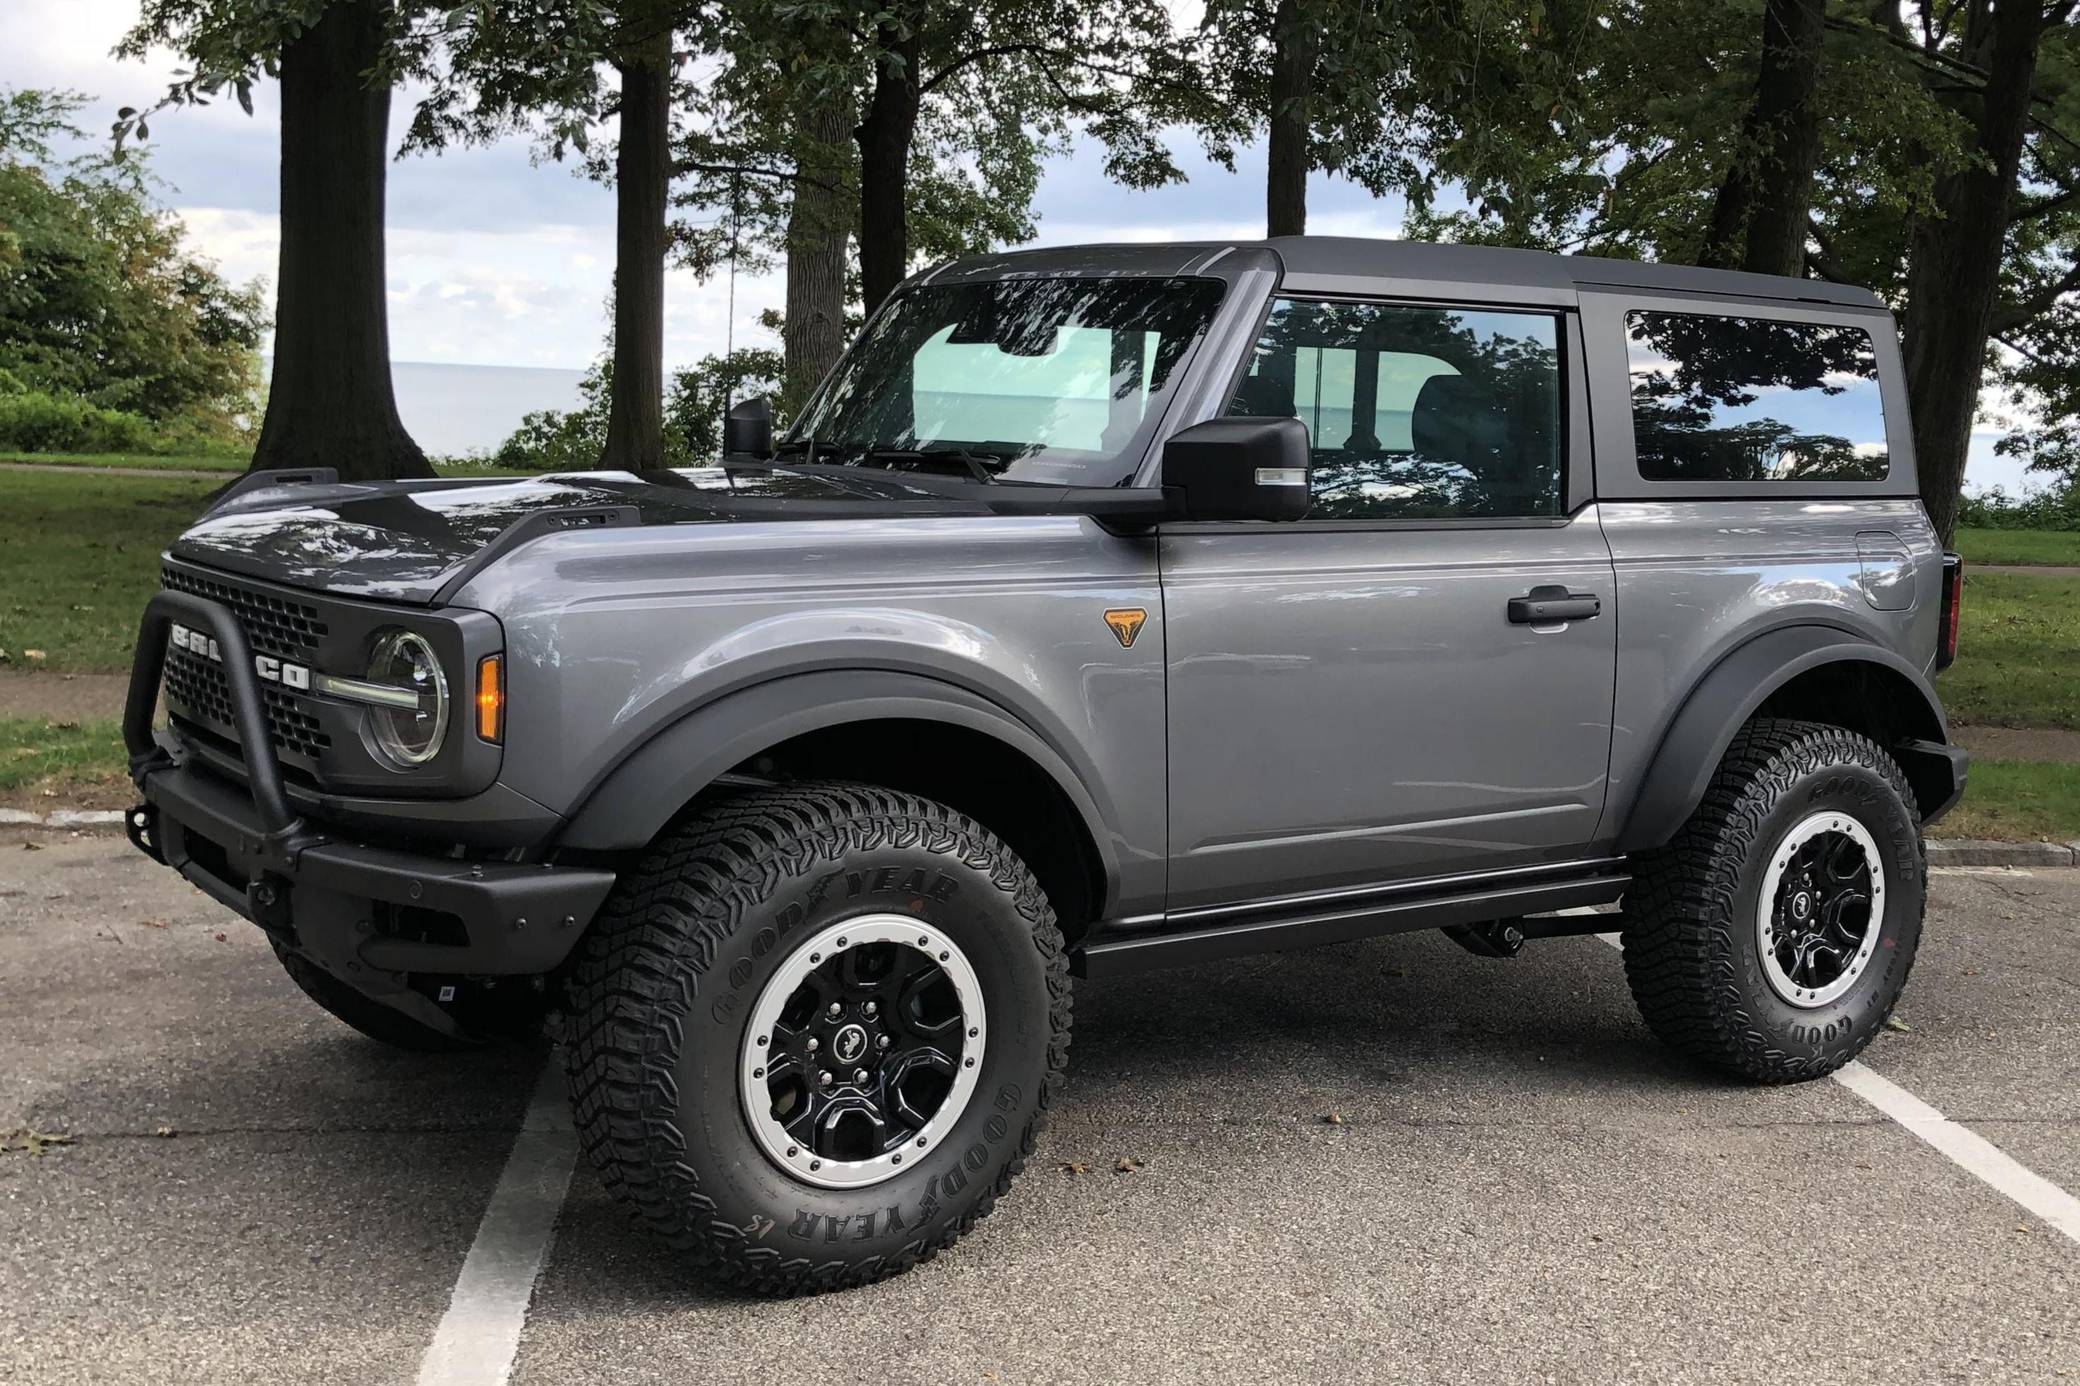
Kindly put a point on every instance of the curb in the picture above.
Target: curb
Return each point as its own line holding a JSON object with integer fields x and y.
{"x": 69, "y": 819}
{"x": 1963, "y": 851}
{"x": 1979, "y": 852}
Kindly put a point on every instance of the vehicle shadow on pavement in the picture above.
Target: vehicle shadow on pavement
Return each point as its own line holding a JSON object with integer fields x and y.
{"x": 1403, "y": 1034}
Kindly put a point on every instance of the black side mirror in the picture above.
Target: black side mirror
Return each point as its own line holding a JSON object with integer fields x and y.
{"x": 1241, "y": 468}
{"x": 747, "y": 430}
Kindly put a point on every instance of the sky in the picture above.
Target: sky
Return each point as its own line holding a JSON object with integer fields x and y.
{"x": 496, "y": 260}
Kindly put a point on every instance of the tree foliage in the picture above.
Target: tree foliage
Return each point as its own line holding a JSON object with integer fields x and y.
{"x": 101, "y": 304}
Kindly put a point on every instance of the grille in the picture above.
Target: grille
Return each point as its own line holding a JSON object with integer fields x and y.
{"x": 274, "y": 625}
{"x": 199, "y": 686}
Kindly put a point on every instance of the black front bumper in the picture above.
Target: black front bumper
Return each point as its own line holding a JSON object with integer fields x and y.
{"x": 371, "y": 915}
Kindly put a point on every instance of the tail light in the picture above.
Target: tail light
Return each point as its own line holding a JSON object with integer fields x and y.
{"x": 1953, "y": 604}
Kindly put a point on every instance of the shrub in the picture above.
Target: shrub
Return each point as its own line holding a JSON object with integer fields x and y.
{"x": 33, "y": 421}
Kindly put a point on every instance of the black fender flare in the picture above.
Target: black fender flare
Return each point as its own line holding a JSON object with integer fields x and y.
{"x": 627, "y": 807}
{"x": 1729, "y": 694}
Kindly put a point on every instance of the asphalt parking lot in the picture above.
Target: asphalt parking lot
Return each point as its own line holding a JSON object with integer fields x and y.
{"x": 1519, "y": 1184}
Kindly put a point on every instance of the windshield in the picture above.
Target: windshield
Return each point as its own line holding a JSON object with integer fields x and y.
{"x": 1051, "y": 381}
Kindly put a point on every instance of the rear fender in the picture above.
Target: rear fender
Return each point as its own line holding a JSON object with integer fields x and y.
{"x": 1739, "y": 685}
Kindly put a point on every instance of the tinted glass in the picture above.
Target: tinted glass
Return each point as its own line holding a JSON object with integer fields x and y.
{"x": 1045, "y": 380}
{"x": 1749, "y": 399}
{"x": 1415, "y": 413}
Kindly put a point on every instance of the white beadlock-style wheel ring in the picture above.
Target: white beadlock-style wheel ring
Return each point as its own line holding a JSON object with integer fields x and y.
{"x": 862, "y": 1051}
{"x": 1821, "y": 909}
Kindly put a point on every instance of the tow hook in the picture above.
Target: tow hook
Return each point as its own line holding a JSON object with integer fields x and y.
{"x": 142, "y": 824}
{"x": 1493, "y": 938}
{"x": 269, "y": 896}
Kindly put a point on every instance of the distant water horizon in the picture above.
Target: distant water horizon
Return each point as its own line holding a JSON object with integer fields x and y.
{"x": 452, "y": 411}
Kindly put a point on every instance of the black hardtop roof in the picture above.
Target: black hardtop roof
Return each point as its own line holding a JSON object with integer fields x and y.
{"x": 1351, "y": 264}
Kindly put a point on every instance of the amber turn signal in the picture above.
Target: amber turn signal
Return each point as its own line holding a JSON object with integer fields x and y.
{"x": 491, "y": 698}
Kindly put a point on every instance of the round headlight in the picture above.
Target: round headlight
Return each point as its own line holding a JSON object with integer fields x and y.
{"x": 409, "y": 736}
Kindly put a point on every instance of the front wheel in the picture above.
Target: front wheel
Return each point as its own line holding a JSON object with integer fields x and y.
{"x": 815, "y": 1033}
{"x": 1774, "y": 934}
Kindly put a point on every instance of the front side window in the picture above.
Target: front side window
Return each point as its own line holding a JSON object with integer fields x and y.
{"x": 1415, "y": 413}
{"x": 1753, "y": 399}
{"x": 1053, "y": 381}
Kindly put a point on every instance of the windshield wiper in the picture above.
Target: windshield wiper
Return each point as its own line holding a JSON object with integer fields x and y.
{"x": 978, "y": 466}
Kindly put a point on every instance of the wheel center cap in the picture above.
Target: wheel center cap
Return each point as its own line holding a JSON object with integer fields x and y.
{"x": 849, "y": 1043}
{"x": 1801, "y": 905}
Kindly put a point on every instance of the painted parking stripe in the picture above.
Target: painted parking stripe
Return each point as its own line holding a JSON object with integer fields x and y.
{"x": 480, "y": 1334}
{"x": 1966, "y": 1149}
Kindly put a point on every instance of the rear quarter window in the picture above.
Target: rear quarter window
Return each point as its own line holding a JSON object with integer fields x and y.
{"x": 1737, "y": 399}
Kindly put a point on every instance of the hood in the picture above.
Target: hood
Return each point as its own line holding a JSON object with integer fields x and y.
{"x": 406, "y": 540}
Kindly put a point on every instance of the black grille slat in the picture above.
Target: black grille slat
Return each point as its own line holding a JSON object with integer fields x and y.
{"x": 274, "y": 625}
{"x": 199, "y": 686}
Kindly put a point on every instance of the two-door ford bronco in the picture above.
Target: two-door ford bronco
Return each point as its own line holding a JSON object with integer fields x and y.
{"x": 1106, "y": 608}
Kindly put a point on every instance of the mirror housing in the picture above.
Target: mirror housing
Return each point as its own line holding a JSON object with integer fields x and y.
{"x": 747, "y": 429}
{"x": 1243, "y": 467}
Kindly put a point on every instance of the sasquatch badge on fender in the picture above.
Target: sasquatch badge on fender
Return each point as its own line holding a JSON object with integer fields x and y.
{"x": 1126, "y": 624}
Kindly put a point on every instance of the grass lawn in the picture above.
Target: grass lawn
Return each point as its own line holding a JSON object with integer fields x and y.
{"x": 2018, "y": 655}
{"x": 2018, "y": 801}
{"x": 139, "y": 461}
{"x": 2051, "y": 547}
{"x": 79, "y": 761}
{"x": 80, "y": 559}
{"x": 136, "y": 460}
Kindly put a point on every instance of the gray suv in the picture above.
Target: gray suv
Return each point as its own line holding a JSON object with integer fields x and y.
{"x": 1107, "y": 608}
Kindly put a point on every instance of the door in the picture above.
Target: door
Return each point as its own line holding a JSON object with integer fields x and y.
{"x": 1417, "y": 679}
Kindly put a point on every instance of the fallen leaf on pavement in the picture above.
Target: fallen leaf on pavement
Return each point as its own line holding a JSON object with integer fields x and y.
{"x": 1075, "y": 1167}
{"x": 164, "y": 1131}
{"x": 32, "y": 846}
{"x": 1893, "y": 1022}
{"x": 1127, "y": 1165}
{"x": 33, "y": 1142}
{"x": 221, "y": 939}
{"x": 152, "y": 923}
{"x": 1332, "y": 1118}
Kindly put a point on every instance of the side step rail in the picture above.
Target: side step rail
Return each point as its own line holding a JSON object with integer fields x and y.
{"x": 1280, "y": 925}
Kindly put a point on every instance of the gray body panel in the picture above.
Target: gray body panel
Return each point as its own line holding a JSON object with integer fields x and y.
{"x": 1310, "y": 708}
{"x": 1349, "y": 704}
{"x": 1697, "y": 580}
{"x": 614, "y": 636}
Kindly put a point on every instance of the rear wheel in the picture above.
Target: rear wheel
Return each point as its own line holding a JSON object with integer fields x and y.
{"x": 1774, "y": 934}
{"x": 815, "y": 1033}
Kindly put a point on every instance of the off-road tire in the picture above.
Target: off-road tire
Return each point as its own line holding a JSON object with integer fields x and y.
{"x": 1692, "y": 956}
{"x": 372, "y": 1018}
{"x": 672, "y": 968}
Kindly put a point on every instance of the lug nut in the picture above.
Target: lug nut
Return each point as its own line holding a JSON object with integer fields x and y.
{"x": 872, "y": 1008}
{"x": 812, "y": 1044}
{"x": 882, "y": 1042}
{"x": 837, "y": 1009}
{"x": 859, "y": 1075}
{"x": 823, "y": 1079}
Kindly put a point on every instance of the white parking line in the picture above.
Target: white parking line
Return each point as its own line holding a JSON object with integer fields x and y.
{"x": 480, "y": 1334}
{"x": 1966, "y": 1149}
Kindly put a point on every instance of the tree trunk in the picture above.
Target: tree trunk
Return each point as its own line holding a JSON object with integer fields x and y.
{"x": 330, "y": 402}
{"x": 1767, "y": 195}
{"x": 884, "y": 138}
{"x": 1295, "y": 48}
{"x": 812, "y": 328}
{"x": 1954, "y": 264}
{"x": 642, "y": 180}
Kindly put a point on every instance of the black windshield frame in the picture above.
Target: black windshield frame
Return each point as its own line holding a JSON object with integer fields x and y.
{"x": 1153, "y": 328}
